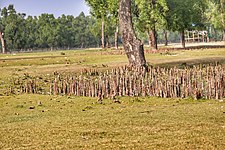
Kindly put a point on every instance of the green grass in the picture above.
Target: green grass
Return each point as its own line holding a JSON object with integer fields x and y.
{"x": 136, "y": 123}
{"x": 189, "y": 57}
{"x": 68, "y": 122}
{"x": 74, "y": 61}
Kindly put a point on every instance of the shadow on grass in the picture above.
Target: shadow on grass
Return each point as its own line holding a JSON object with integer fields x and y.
{"x": 193, "y": 62}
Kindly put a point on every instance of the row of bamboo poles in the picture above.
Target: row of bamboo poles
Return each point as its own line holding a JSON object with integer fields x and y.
{"x": 197, "y": 82}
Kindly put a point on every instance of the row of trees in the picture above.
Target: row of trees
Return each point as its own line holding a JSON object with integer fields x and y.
{"x": 151, "y": 16}
{"x": 18, "y": 32}
{"x": 151, "y": 19}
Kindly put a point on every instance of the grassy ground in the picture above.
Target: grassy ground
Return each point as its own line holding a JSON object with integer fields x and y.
{"x": 46, "y": 63}
{"x": 74, "y": 61}
{"x": 81, "y": 123}
{"x": 136, "y": 123}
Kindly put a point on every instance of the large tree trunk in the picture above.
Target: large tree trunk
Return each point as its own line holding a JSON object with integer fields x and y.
{"x": 116, "y": 37}
{"x": 166, "y": 37}
{"x": 153, "y": 39}
{"x": 182, "y": 35}
{"x": 2, "y": 42}
{"x": 103, "y": 34}
{"x": 133, "y": 46}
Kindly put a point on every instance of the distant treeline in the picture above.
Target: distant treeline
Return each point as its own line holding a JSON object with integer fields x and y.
{"x": 19, "y": 32}
{"x": 46, "y": 31}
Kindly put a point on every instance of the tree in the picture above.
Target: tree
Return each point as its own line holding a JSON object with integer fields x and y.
{"x": 31, "y": 32}
{"x": 133, "y": 46}
{"x": 47, "y": 31}
{"x": 2, "y": 37}
{"x": 82, "y": 27}
{"x": 81, "y": 24}
{"x": 66, "y": 31}
{"x": 9, "y": 21}
{"x": 184, "y": 15}
{"x": 150, "y": 16}
{"x": 20, "y": 38}
{"x": 113, "y": 17}
{"x": 216, "y": 14}
{"x": 99, "y": 9}
{"x": 107, "y": 12}
{"x": 13, "y": 25}
{"x": 222, "y": 8}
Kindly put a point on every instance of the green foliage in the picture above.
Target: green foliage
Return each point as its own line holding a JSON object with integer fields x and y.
{"x": 150, "y": 14}
{"x": 104, "y": 11}
{"x": 185, "y": 14}
{"x": 45, "y": 31}
{"x": 99, "y": 8}
{"x": 215, "y": 12}
{"x": 12, "y": 25}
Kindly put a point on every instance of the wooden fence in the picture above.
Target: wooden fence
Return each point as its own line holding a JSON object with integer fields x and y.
{"x": 197, "y": 82}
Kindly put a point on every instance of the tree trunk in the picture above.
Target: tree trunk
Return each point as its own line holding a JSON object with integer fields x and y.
{"x": 215, "y": 38}
{"x": 166, "y": 37}
{"x": 133, "y": 46}
{"x": 182, "y": 38}
{"x": 82, "y": 45}
{"x": 2, "y": 42}
{"x": 107, "y": 41}
{"x": 153, "y": 39}
{"x": 224, "y": 34}
{"x": 222, "y": 2}
{"x": 149, "y": 39}
{"x": 103, "y": 34}
{"x": 116, "y": 37}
